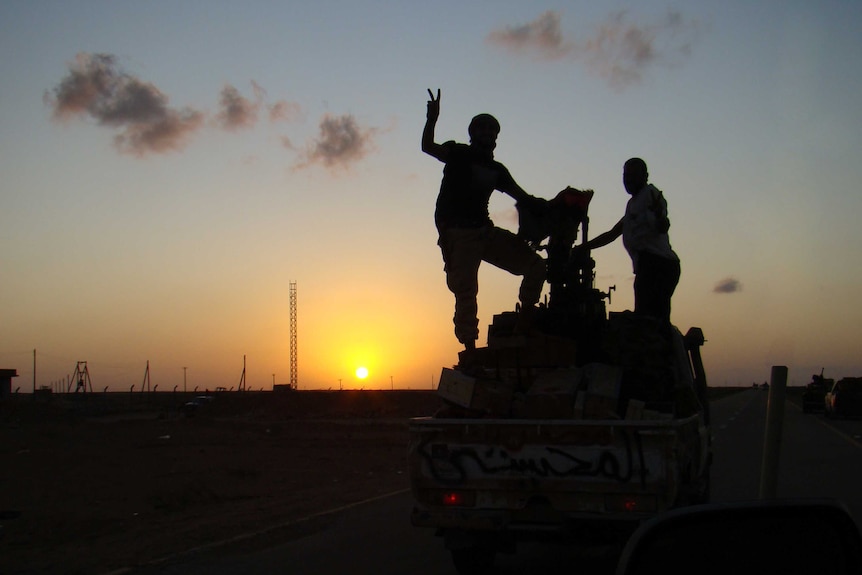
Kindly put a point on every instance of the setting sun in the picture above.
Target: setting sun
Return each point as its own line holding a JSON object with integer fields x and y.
{"x": 361, "y": 372}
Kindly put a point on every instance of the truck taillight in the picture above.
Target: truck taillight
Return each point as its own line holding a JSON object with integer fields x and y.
{"x": 631, "y": 503}
{"x": 458, "y": 498}
{"x": 452, "y": 498}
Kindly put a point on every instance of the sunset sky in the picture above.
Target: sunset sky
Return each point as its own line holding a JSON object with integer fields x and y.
{"x": 168, "y": 168}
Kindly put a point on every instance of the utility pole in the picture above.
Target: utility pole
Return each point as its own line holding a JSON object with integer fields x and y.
{"x": 146, "y": 382}
{"x": 184, "y": 378}
{"x": 241, "y": 386}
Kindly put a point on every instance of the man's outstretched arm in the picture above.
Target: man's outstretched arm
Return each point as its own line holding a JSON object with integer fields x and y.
{"x": 605, "y": 238}
{"x": 514, "y": 191}
{"x": 429, "y": 146}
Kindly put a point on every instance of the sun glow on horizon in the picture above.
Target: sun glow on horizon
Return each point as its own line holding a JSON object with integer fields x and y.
{"x": 361, "y": 372}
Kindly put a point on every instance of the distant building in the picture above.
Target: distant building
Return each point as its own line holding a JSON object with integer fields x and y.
{"x": 6, "y": 376}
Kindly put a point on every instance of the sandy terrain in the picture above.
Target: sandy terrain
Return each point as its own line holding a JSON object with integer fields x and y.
{"x": 97, "y": 485}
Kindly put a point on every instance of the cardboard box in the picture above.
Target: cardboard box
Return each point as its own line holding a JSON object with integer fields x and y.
{"x": 600, "y": 407}
{"x": 549, "y": 350}
{"x": 603, "y": 379}
{"x": 548, "y": 406}
{"x": 506, "y": 340}
{"x": 635, "y": 409}
{"x": 475, "y": 393}
{"x": 521, "y": 351}
{"x": 556, "y": 381}
{"x": 502, "y": 333}
{"x": 552, "y": 394}
{"x": 494, "y": 397}
{"x": 456, "y": 387}
{"x": 580, "y": 401}
{"x": 542, "y": 351}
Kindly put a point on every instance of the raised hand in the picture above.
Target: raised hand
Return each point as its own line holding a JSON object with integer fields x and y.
{"x": 433, "y": 106}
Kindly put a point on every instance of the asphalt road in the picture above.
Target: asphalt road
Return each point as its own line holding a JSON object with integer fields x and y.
{"x": 818, "y": 458}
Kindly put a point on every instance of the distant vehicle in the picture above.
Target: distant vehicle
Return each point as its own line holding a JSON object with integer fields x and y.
{"x": 191, "y": 407}
{"x": 845, "y": 398}
{"x": 815, "y": 393}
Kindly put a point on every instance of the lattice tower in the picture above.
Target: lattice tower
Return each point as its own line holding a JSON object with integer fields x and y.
{"x": 293, "y": 370}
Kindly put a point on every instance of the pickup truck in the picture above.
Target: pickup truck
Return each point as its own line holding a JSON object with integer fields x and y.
{"x": 579, "y": 422}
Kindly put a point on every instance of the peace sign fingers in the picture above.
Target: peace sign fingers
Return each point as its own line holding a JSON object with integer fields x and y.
{"x": 433, "y": 105}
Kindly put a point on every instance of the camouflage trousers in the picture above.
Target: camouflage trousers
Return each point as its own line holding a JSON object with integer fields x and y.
{"x": 464, "y": 249}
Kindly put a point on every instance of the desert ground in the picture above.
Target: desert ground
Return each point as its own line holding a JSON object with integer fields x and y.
{"x": 94, "y": 483}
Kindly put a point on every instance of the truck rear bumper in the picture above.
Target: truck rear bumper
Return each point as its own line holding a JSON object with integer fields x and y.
{"x": 497, "y": 529}
{"x": 506, "y": 520}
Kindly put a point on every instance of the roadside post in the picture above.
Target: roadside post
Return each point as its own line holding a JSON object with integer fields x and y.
{"x": 772, "y": 437}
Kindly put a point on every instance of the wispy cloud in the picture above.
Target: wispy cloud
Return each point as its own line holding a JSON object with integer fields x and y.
{"x": 95, "y": 87}
{"x": 622, "y": 52}
{"x": 236, "y": 112}
{"x": 145, "y": 123}
{"x": 279, "y": 111}
{"x": 341, "y": 142}
{"x": 619, "y": 51}
{"x": 728, "y": 285}
{"x": 283, "y": 111}
{"x": 542, "y": 37}
{"x": 140, "y": 114}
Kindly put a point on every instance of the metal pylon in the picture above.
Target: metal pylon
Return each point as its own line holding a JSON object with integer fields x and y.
{"x": 294, "y": 376}
{"x": 81, "y": 378}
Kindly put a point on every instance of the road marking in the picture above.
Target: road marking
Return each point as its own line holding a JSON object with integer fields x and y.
{"x": 719, "y": 427}
{"x": 253, "y": 534}
{"x": 853, "y": 441}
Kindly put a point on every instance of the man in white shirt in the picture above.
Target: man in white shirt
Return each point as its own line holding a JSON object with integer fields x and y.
{"x": 644, "y": 230}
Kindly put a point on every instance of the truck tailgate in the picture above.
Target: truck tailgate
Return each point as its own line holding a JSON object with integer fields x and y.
{"x": 544, "y": 471}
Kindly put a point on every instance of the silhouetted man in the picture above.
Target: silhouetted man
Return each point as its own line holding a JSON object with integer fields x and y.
{"x": 467, "y": 236}
{"x": 644, "y": 229}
